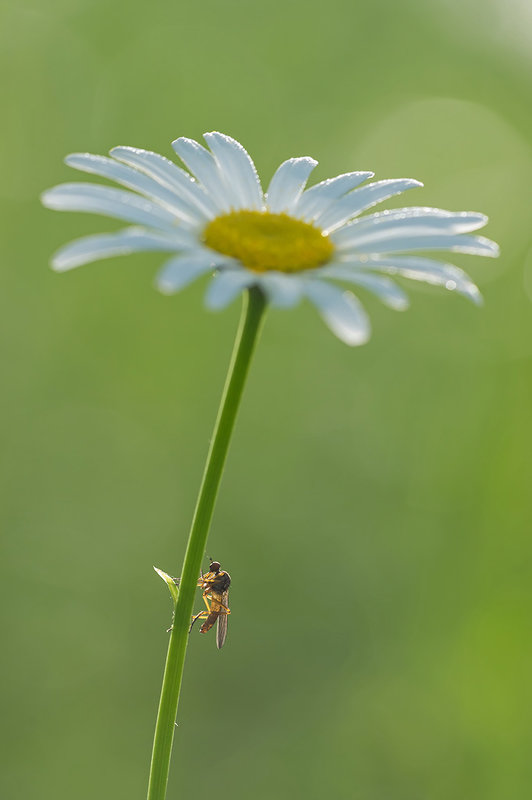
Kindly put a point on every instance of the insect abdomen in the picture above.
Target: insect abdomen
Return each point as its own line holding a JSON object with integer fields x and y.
{"x": 209, "y": 622}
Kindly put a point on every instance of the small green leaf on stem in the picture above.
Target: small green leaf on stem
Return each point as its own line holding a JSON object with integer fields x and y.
{"x": 170, "y": 582}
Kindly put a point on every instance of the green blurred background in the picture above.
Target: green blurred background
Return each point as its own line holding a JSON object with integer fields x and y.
{"x": 374, "y": 513}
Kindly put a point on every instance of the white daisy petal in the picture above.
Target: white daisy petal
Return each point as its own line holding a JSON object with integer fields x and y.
{"x": 169, "y": 174}
{"x": 417, "y": 268}
{"x": 282, "y": 290}
{"x": 340, "y": 310}
{"x": 133, "y": 179}
{"x": 225, "y": 286}
{"x": 385, "y": 289}
{"x": 129, "y": 240}
{"x": 287, "y": 184}
{"x": 183, "y": 270}
{"x": 318, "y": 198}
{"x": 96, "y": 199}
{"x": 401, "y": 243}
{"x": 406, "y": 222}
{"x": 359, "y": 200}
{"x": 203, "y": 165}
{"x": 238, "y": 170}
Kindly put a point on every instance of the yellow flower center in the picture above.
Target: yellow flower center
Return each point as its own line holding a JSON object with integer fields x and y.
{"x": 263, "y": 241}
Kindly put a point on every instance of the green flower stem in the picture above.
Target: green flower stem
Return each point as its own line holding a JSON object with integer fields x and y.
{"x": 250, "y": 323}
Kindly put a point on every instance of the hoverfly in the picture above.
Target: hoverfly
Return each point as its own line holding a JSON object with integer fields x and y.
{"x": 215, "y": 584}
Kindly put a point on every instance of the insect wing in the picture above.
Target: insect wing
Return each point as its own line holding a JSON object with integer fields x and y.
{"x": 221, "y": 628}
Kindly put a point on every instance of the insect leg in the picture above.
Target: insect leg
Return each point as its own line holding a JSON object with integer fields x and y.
{"x": 207, "y": 596}
{"x": 177, "y": 581}
{"x": 201, "y": 615}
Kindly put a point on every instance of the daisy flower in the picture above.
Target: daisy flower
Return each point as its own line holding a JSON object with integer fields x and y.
{"x": 291, "y": 241}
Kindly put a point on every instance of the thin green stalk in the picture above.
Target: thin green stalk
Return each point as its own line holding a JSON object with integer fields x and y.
{"x": 250, "y": 323}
